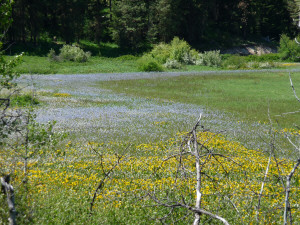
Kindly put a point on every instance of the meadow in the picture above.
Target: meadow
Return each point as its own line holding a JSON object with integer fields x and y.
{"x": 249, "y": 96}
{"x": 135, "y": 128}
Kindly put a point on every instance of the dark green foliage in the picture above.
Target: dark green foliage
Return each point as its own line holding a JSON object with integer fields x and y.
{"x": 129, "y": 23}
{"x": 289, "y": 49}
{"x": 133, "y": 24}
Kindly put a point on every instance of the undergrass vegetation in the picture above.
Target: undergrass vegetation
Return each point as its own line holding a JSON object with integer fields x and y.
{"x": 248, "y": 96}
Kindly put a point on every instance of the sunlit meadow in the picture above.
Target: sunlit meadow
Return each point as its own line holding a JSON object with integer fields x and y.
{"x": 148, "y": 134}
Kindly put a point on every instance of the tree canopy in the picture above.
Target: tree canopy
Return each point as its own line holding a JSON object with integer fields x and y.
{"x": 133, "y": 23}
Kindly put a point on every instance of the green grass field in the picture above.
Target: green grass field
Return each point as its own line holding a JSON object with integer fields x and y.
{"x": 61, "y": 180}
{"x": 42, "y": 65}
{"x": 249, "y": 96}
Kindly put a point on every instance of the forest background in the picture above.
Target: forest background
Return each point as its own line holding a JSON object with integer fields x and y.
{"x": 137, "y": 24}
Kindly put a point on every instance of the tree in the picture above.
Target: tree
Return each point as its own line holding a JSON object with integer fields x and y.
{"x": 129, "y": 23}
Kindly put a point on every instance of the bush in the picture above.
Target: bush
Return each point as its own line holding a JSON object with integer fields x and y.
{"x": 289, "y": 49}
{"x": 161, "y": 52}
{"x": 263, "y": 58}
{"x": 172, "y": 64}
{"x": 211, "y": 58}
{"x": 52, "y": 56}
{"x": 148, "y": 64}
{"x": 178, "y": 50}
{"x": 70, "y": 53}
{"x": 181, "y": 51}
{"x": 235, "y": 62}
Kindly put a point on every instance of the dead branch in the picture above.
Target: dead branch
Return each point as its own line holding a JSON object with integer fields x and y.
{"x": 102, "y": 182}
{"x": 262, "y": 188}
{"x": 195, "y": 210}
{"x": 287, "y": 208}
{"x": 298, "y": 99}
{"x": 9, "y": 191}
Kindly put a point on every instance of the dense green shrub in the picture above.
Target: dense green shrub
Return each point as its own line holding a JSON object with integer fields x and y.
{"x": 73, "y": 53}
{"x": 235, "y": 62}
{"x": 263, "y": 58}
{"x": 69, "y": 53}
{"x": 161, "y": 52}
{"x": 181, "y": 51}
{"x": 178, "y": 50}
{"x": 148, "y": 64}
{"x": 210, "y": 58}
{"x": 289, "y": 49}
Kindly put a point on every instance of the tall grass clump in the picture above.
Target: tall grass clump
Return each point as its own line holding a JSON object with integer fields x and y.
{"x": 69, "y": 53}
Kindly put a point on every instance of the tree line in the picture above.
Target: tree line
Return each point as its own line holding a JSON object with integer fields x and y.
{"x": 136, "y": 23}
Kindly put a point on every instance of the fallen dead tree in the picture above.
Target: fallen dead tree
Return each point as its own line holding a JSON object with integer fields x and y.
{"x": 8, "y": 190}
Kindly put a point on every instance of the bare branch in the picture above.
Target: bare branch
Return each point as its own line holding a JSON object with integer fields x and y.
{"x": 102, "y": 182}
{"x": 262, "y": 188}
{"x": 9, "y": 191}
{"x": 293, "y": 88}
{"x": 195, "y": 210}
{"x": 287, "y": 208}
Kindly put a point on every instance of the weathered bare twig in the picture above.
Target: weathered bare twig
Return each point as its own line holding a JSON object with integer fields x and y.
{"x": 262, "y": 188}
{"x": 287, "y": 208}
{"x": 193, "y": 209}
{"x": 102, "y": 182}
{"x": 9, "y": 191}
{"x": 201, "y": 155}
{"x": 298, "y": 99}
{"x": 198, "y": 171}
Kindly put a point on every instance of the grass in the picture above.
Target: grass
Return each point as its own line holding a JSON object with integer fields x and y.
{"x": 96, "y": 64}
{"x": 62, "y": 179}
{"x": 61, "y": 183}
{"x": 42, "y": 65}
{"x": 248, "y": 96}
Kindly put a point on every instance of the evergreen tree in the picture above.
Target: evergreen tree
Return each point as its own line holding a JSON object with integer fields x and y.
{"x": 130, "y": 23}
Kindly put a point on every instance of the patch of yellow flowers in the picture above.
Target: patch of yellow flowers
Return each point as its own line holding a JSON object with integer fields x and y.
{"x": 232, "y": 176}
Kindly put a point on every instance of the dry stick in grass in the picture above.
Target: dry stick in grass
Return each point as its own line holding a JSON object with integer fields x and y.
{"x": 195, "y": 210}
{"x": 106, "y": 175}
{"x": 102, "y": 182}
{"x": 267, "y": 169}
{"x": 287, "y": 208}
{"x": 298, "y": 99}
{"x": 192, "y": 146}
{"x": 262, "y": 188}
{"x": 9, "y": 191}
